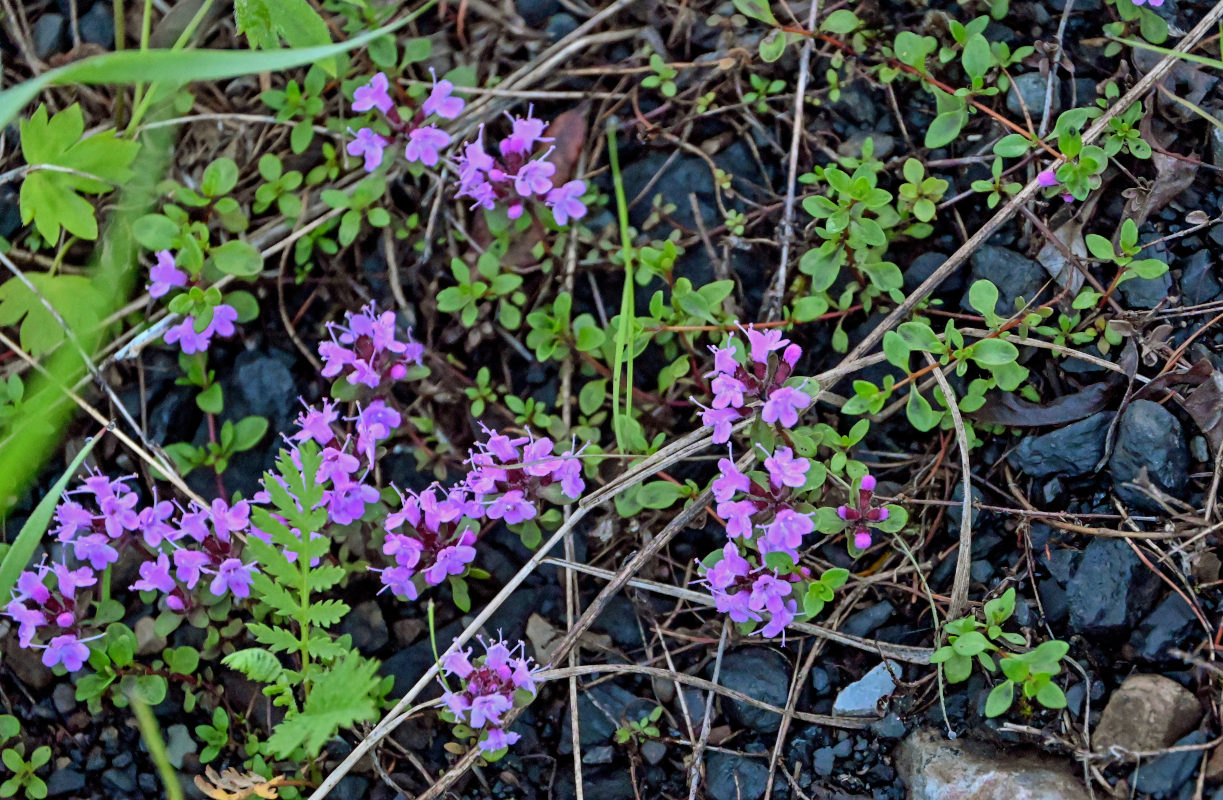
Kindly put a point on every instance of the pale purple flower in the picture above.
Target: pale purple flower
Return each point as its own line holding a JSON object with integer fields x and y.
{"x": 165, "y": 276}
{"x": 730, "y": 480}
{"x": 566, "y": 202}
{"x": 399, "y": 580}
{"x": 786, "y": 470}
{"x": 458, "y": 663}
{"x": 764, "y": 342}
{"x": 315, "y": 423}
{"x": 72, "y": 518}
{"x": 232, "y": 576}
{"x": 369, "y": 145}
{"x": 734, "y": 605}
{"x": 154, "y": 526}
{"x": 511, "y": 507}
{"x": 452, "y": 560}
{"x": 727, "y": 391}
{"x": 497, "y": 739}
{"x": 67, "y": 650}
{"x": 729, "y": 569}
{"x": 347, "y": 500}
{"x": 69, "y": 580}
{"x": 785, "y": 533}
{"x": 155, "y": 576}
{"x": 724, "y": 360}
{"x": 722, "y": 420}
{"x": 373, "y": 95}
{"x": 768, "y": 593}
{"x": 738, "y": 516}
{"x": 779, "y": 619}
{"x": 188, "y": 565}
{"x": 488, "y": 710}
{"x": 1048, "y": 177}
{"x": 522, "y": 139}
{"x": 376, "y": 422}
{"x": 534, "y": 177}
{"x": 95, "y": 548}
{"x": 783, "y": 406}
{"x": 441, "y": 100}
{"x": 424, "y": 143}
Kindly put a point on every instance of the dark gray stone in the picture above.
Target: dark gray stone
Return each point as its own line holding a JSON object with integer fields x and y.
{"x": 120, "y": 780}
{"x": 601, "y": 711}
{"x": 729, "y": 776}
{"x": 561, "y": 25}
{"x": 603, "y": 754}
{"x": 1150, "y": 440}
{"x": 760, "y": 673}
{"x": 1072, "y": 450}
{"x": 924, "y": 266}
{"x": 64, "y": 782}
{"x": 653, "y": 752}
{"x": 1164, "y": 776}
{"x": 97, "y": 26}
{"x": 862, "y": 623}
{"x": 823, "y": 762}
{"x": 366, "y": 626}
{"x": 64, "y": 698}
{"x": 1013, "y": 274}
{"x": 49, "y": 35}
{"x": 1163, "y": 628}
{"x": 10, "y": 211}
{"x": 1111, "y": 589}
{"x": 536, "y": 12}
{"x": 1146, "y": 292}
{"x": 1031, "y": 86}
{"x": 1199, "y": 283}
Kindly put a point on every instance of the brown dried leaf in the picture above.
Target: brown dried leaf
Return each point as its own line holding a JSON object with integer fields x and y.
{"x": 1172, "y": 177}
{"x": 1013, "y": 411}
{"x": 232, "y": 784}
{"x": 1205, "y": 406}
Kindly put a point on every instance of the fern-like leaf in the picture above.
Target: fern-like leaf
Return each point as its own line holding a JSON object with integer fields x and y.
{"x": 326, "y": 613}
{"x": 341, "y": 697}
{"x": 255, "y": 663}
{"x": 278, "y": 640}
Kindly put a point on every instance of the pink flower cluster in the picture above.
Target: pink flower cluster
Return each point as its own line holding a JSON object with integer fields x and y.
{"x": 861, "y": 514}
{"x": 760, "y": 519}
{"x": 737, "y": 387}
{"x": 509, "y": 475}
{"x": 181, "y": 553}
{"x": 423, "y": 143}
{"x": 430, "y": 538}
{"x": 517, "y": 176}
{"x": 749, "y": 593}
{"x": 366, "y": 350}
{"x": 192, "y": 335}
{"x": 487, "y": 685}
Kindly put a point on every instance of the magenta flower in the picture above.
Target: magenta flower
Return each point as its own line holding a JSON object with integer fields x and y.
{"x": 188, "y": 566}
{"x": 373, "y": 95}
{"x": 785, "y": 533}
{"x": 441, "y": 100}
{"x": 193, "y": 341}
{"x": 315, "y": 423}
{"x": 232, "y": 576}
{"x": 1047, "y": 178}
{"x": 534, "y": 177}
{"x": 738, "y": 516}
{"x": 165, "y": 276}
{"x": 95, "y": 548}
{"x": 764, "y": 342}
{"x": 155, "y": 576}
{"x": 783, "y": 406}
{"x": 368, "y": 145}
{"x": 424, "y": 144}
{"x": 786, "y": 470}
{"x": 497, "y": 739}
{"x": 730, "y": 480}
{"x": 722, "y": 420}
{"x": 452, "y": 560}
{"x": 527, "y": 132}
{"x": 566, "y": 202}
{"x": 367, "y": 349}
{"x": 729, "y": 570}
{"x": 486, "y": 687}
{"x": 67, "y": 650}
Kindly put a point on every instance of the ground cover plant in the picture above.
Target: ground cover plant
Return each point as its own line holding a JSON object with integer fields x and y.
{"x": 545, "y": 399}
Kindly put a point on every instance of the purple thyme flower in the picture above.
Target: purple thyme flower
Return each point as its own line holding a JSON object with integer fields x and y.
{"x": 566, "y": 202}
{"x": 452, "y": 560}
{"x": 369, "y": 145}
{"x": 786, "y": 470}
{"x": 67, "y": 650}
{"x": 424, "y": 143}
{"x": 373, "y": 95}
{"x": 188, "y": 566}
{"x": 233, "y": 576}
{"x": 764, "y": 342}
{"x": 315, "y": 423}
{"x": 730, "y": 480}
{"x": 486, "y": 687}
{"x": 95, "y": 548}
{"x": 441, "y": 100}
{"x": 1047, "y": 178}
{"x": 785, "y": 533}
{"x": 155, "y": 576}
{"x": 165, "y": 276}
{"x": 783, "y": 405}
{"x": 366, "y": 349}
{"x": 193, "y": 341}
{"x": 534, "y": 177}
{"x": 526, "y": 133}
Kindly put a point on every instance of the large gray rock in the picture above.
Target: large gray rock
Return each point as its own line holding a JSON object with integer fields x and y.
{"x": 1072, "y": 450}
{"x": 1111, "y": 589}
{"x": 730, "y": 776}
{"x": 1013, "y": 274}
{"x": 1147, "y": 712}
{"x": 936, "y": 769}
{"x": 760, "y": 673}
{"x": 1149, "y": 441}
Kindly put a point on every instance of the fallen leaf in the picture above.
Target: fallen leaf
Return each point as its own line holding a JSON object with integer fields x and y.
{"x": 1013, "y": 411}
{"x": 545, "y": 637}
{"x": 1205, "y": 406}
{"x": 1054, "y": 260}
{"x": 231, "y": 784}
{"x": 1172, "y": 177}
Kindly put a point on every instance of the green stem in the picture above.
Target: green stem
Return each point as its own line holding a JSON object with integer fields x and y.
{"x": 624, "y": 344}
{"x": 144, "y": 99}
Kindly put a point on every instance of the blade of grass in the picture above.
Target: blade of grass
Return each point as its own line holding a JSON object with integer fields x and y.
{"x": 151, "y": 733}
{"x": 624, "y": 344}
{"x": 1196, "y": 59}
{"x": 22, "y": 550}
{"x": 133, "y": 66}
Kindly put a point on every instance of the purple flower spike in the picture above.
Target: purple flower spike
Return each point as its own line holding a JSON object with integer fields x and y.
{"x": 165, "y": 276}
{"x": 486, "y": 689}
{"x": 368, "y": 145}
{"x": 373, "y": 95}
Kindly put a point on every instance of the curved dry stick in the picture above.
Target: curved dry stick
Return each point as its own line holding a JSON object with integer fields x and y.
{"x": 963, "y": 560}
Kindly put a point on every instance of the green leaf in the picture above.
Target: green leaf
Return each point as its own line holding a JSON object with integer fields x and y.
{"x": 255, "y": 663}
{"x": 773, "y": 46}
{"x": 976, "y": 57}
{"x": 1051, "y": 696}
{"x": 841, "y": 22}
{"x": 155, "y": 231}
{"x": 74, "y": 298}
{"x": 22, "y": 550}
{"x": 237, "y": 258}
{"x": 658, "y": 494}
{"x": 1100, "y": 247}
{"x": 248, "y": 432}
{"x": 1000, "y": 698}
{"x": 756, "y": 9}
{"x": 265, "y": 22}
{"x": 957, "y": 668}
{"x": 340, "y": 698}
{"x": 1147, "y": 268}
{"x": 970, "y": 643}
{"x": 945, "y": 128}
{"x": 983, "y": 296}
{"x": 211, "y": 401}
{"x": 920, "y": 413}
{"x": 220, "y": 177}
{"x": 994, "y": 353}
{"x": 1013, "y": 146}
